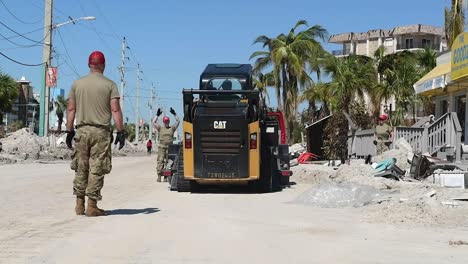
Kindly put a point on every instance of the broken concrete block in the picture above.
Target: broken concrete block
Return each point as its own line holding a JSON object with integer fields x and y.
{"x": 452, "y": 179}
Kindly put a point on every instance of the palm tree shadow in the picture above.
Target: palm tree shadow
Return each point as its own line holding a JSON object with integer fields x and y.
{"x": 132, "y": 211}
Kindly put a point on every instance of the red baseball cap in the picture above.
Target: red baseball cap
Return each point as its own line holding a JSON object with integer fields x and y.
{"x": 383, "y": 117}
{"x": 96, "y": 58}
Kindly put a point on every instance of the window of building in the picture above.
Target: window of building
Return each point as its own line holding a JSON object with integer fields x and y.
{"x": 426, "y": 43}
{"x": 388, "y": 42}
{"x": 409, "y": 43}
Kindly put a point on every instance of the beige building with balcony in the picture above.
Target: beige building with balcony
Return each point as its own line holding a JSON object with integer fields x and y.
{"x": 412, "y": 37}
{"x": 409, "y": 38}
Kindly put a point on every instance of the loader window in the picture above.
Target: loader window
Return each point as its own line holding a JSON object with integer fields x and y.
{"x": 224, "y": 84}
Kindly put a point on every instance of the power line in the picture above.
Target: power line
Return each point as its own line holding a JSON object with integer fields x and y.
{"x": 21, "y": 63}
{"x": 106, "y": 20}
{"x": 68, "y": 55}
{"x": 19, "y": 34}
{"x": 161, "y": 98}
{"x": 29, "y": 32}
{"x": 19, "y": 45}
{"x": 17, "y": 18}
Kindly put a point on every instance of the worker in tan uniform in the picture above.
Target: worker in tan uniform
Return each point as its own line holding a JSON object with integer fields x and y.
{"x": 166, "y": 137}
{"x": 93, "y": 101}
{"x": 383, "y": 133}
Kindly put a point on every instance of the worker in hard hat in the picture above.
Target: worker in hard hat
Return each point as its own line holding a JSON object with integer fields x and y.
{"x": 166, "y": 137}
{"x": 94, "y": 100}
{"x": 383, "y": 134}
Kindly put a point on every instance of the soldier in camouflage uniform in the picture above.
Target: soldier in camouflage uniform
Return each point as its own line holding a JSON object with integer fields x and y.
{"x": 166, "y": 137}
{"x": 383, "y": 134}
{"x": 93, "y": 100}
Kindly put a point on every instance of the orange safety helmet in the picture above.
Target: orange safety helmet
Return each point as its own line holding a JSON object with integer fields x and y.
{"x": 383, "y": 117}
{"x": 166, "y": 119}
{"x": 96, "y": 58}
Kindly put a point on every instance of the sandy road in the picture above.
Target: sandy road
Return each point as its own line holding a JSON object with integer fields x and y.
{"x": 149, "y": 224}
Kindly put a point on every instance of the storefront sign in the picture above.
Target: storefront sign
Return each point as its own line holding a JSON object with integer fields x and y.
{"x": 460, "y": 56}
{"x": 430, "y": 84}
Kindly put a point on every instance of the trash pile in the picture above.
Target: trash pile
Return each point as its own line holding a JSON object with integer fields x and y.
{"x": 334, "y": 195}
{"x": 397, "y": 187}
{"x": 23, "y": 145}
{"x": 129, "y": 148}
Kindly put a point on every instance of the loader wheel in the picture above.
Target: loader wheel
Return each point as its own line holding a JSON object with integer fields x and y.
{"x": 269, "y": 177}
{"x": 285, "y": 181}
{"x": 178, "y": 183}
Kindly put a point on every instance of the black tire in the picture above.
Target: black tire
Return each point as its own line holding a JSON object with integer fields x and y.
{"x": 285, "y": 181}
{"x": 269, "y": 174}
{"x": 178, "y": 183}
{"x": 169, "y": 179}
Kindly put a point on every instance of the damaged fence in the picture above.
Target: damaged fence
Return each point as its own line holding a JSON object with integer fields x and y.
{"x": 361, "y": 143}
{"x": 443, "y": 137}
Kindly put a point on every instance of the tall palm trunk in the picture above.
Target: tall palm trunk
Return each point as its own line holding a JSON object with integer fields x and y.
{"x": 286, "y": 106}
{"x": 278, "y": 88}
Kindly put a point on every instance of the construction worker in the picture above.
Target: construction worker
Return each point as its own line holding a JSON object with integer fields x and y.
{"x": 149, "y": 146}
{"x": 166, "y": 136}
{"x": 383, "y": 133}
{"x": 93, "y": 100}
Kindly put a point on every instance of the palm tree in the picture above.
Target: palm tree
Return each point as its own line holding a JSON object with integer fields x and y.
{"x": 263, "y": 81}
{"x": 320, "y": 93}
{"x": 8, "y": 93}
{"x": 351, "y": 77}
{"x": 401, "y": 80}
{"x": 454, "y": 21}
{"x": 264, "y": 62}
{"x": 60, "y": 107}
{"x": 427, "y": 59}
{"x": 290, "y": 55}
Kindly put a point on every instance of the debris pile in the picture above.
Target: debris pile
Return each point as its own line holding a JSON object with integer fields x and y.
{"x": 334, "y": 195}
{"x": 23, "y": 145}
{"x": 405, "y": 199}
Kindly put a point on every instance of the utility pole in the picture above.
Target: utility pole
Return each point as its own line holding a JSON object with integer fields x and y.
{"x": 150, "y": 105}
{"x": 122, "y": 75}
{"x": 46, "y": 58}
{"x": 137, "y": 111}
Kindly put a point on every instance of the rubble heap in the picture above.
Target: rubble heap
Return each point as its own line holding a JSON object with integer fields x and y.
{"x": 23, "y": 145}
{"x": 406, "y": 201}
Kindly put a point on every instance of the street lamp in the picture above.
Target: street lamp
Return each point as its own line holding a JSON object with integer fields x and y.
{"x": 46, "y": 55}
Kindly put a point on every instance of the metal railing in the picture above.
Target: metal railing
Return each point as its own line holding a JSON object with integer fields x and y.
{"x": 341, "y": 52}
{"x": 402, "y": 46}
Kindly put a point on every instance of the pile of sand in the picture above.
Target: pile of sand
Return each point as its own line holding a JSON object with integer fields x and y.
{"x": 382, "y": 200}
{"x": 24, "y": 146}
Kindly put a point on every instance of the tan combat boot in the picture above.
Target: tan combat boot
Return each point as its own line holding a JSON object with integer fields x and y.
{"x": 80, "y": 205}
{"x": 159, "y": 178}
{"x": 93, "y": 210}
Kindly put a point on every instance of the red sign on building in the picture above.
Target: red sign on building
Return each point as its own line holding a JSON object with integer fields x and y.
{"x": 51, "y": 77}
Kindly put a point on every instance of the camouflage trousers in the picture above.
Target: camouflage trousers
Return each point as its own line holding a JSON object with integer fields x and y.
{"x": 91, "y": 160}
{"x": 382, "y": 146}
{"x": 162, "y": 157}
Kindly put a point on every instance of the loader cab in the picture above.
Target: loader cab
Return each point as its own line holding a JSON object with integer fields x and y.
{"x": 226, "y": 77}
{"x": 216, "y": 75}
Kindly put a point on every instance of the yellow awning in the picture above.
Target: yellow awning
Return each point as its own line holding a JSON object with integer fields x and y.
{"x": 437, "y": 78}
{"x": 437, "y": 71}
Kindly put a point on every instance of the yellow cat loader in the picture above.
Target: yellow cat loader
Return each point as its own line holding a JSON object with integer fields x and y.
{"x": 229, "y": 137}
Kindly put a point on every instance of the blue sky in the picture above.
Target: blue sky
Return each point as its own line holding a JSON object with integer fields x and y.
{"x": 174, "y": 40}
